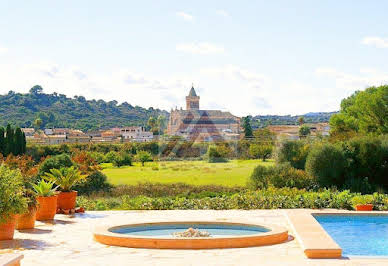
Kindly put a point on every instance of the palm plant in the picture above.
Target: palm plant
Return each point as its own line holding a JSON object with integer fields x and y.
{"x": 44, "y": 189}
{"x": 65, "y": 178}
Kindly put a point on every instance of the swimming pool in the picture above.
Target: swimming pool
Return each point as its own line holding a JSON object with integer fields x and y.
{"x": 358, "y": 234}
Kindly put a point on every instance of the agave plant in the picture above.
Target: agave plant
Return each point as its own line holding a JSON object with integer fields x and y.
{"x": 65, "y": 178}
{"x": 44, "y": 189}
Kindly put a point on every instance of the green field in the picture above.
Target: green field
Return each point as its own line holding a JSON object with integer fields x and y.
{"x": 232, "y": 173}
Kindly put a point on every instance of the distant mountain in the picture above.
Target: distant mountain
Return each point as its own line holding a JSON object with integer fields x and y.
{"x": 311, "y": 117}
{"x": 57, "y": 110}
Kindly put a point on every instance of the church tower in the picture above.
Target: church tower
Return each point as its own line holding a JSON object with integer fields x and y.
{"x": 192, "y": 100}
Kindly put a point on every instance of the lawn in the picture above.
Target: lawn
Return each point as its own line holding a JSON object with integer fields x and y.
{"x": 232, "y": 173}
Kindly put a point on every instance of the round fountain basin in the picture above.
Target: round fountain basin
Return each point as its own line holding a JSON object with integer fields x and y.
{"x": 161, "y": 235}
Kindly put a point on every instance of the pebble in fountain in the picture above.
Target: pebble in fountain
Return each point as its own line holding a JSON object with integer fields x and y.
{"x": 191, "y": 232}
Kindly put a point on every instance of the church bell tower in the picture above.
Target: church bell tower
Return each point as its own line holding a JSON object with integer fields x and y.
{"x": 192, "y": 100}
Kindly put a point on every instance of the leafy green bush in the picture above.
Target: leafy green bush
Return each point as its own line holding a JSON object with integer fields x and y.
{"x": 261, "y": 177}
{"x": 327, "y": 164}
{"x": 362, "y": 199}
{"x": 216, "y": 154}
{"x": 55, "y": 162}
{"x": 293, "y": 151}
{"x": 368, "y": 160}
{"x": 96, "y": 182}
{"x": 97, "y": 156}
{"x": 111, "y": 156}
{"x": 143, "y": 157}
{"x": 12, "y": 200}
{"x": 287, "y": 176}
{"x": 271, "y": 198}
{"x": 122, "y": 159}
{"x": 260, "y": 151}
{"x": 281, "y": 175}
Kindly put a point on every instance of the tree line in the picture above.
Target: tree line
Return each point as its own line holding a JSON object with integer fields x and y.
{"x": 12, "y": 141}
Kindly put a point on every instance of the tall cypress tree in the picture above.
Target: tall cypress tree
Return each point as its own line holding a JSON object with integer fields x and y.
{"x": 2, "y": 141}
{"x": 24, "y": 143}
{"x": 18, "y": 142}
{"x": 9, "y": 140}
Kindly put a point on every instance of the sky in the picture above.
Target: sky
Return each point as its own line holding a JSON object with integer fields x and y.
{"x": 246, "y": 57}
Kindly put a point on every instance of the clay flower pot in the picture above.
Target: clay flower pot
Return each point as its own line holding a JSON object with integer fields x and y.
{"x": 7, "y": 228}
{"x": 66, "y": 200}
{"x": 26, "y": 220}
{"x": 47, "y": 208}
{"x": 364, "y": 207}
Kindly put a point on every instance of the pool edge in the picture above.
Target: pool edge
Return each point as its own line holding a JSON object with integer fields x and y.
{"x": 276, "y": 235}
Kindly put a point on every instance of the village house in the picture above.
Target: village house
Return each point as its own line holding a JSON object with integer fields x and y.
{"x": 137, "y": 134}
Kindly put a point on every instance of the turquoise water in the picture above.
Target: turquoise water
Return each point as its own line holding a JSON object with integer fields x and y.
{"x": 358, "y": 235}
{"x": 215, "y": 230}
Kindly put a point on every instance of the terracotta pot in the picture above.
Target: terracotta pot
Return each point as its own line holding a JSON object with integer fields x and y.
{"x": 47, "y": 208}
{"x": 26, "y": 220}
{"x": 7, "y": 228}
{"x": 364, "y": 207}
{"x": 66, "y": 200}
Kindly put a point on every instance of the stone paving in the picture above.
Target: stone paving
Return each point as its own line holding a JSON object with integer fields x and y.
{"x": 69, "y": 241}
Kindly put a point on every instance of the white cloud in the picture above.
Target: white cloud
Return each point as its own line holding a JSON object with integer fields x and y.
{"x": 222, "y": 13}
{"x": 185, "y": 15}
{"x": 376, "y": 41}
{"x": 202, "y": 48}
{"x": 351, "y": 82}
{"x": 234, "y": 72}
{"x": 3, "y": 50}
{"x": 230, "y": 88}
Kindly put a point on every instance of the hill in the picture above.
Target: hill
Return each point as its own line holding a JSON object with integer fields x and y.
{"x": 264, "y": 120}
{"x": 57, "y": 110}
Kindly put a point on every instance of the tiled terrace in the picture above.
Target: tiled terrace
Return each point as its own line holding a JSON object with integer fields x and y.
{"x": 69, "y": 241}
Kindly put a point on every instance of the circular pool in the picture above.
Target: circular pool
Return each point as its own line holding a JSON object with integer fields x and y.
{"x": 170, "y": 235}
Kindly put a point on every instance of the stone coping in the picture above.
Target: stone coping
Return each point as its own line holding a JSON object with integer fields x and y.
{"x": 315, "y": 241}
{"x": 10, "y": 259}
{"x": 105, "y": 235}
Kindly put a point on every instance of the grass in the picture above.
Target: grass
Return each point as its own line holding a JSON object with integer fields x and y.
{"x": 232, "y": 173}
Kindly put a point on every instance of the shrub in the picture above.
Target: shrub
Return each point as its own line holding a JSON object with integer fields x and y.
{"x": 362, "y": 199}
{"x": 287, "y": 176}
{"x": 55, "y": 162}
{"x": 122, "y": 159}
{"x": 281, "y": 175}
{"x": 94, "y": 183}
{"x": 262, "y": 151}
{"x": 143, "y": 157}
{"x": 11, "y": 193}
{"x": 111, "y": 156}
{"x": 368, "y": 160}
{"x": 270, "y": 198}
{"x": 327, "y": 164}
{"x": 97, "y": 156}
{"x": 216, "y": 155}
{"x": 293, "y": 151}
{"x": 261, "y": 177}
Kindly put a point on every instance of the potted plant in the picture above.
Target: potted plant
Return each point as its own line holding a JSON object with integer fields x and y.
{"x": 363, "y": 202}
{"x": 66, "y": 179}
{"x": 47, "y": 200}
{"x": 27, "y": 219}
{"x": 12, "y": 201}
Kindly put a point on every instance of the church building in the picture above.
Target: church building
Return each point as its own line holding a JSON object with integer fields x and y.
{"x": 202, "y": 125}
